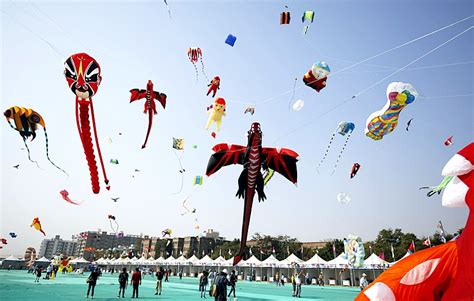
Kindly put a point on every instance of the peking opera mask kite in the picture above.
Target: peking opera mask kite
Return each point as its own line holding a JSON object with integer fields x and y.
{"x": 444, "y": 272}
{"x": 150, "y": 107}
{"x": 252, "y": 157}
{"x": 82, "y": 73}
{"x": 383, "y": 122}
{"x": 25, "y": 121}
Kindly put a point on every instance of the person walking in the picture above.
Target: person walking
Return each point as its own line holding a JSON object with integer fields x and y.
{"x": 136, "y": 282}
{"x": 38, "y": 274}
{"x": 159, "y": 280}
{"x": 232, "y": 283}
{"x": 363, "y": 283}
{"x": 221, "y": 283}
{"x": 123, "y": 281}
{"x": 92, "y": 281}
{"x": 203, "y": 283}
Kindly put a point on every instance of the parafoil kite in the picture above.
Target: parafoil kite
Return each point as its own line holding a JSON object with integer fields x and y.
{"x": 195, "y": 54}
{"x": 167, "y": 232}
{"x": 230, "y": 40}
{"x": 216, "y": 112}
{"x": 317, "y": 76}
{"x": 214, "y": 85}
{"x": 25, "y": 121}
{"x": 198, "y": 180}
{"x": 115, "y": 227}
{"x": 253, "y": 158}
{"x": 150, "y": 107}
{"x": 443, "y": 272}
{"x": 82, "y": 74}
{"x": 308, "y": 16}
{"x": 383, "y": 122}
{"x": 448, "y": 141}
{"x": 344, "y": 128}
{"x": 285, "y": 18}
{"x": 354, "y": 251}
{"x": 37, "y": 225}
{"x": 355, "y": 169}
{"x": 13, "y": 235}
{"x": 343, "y": 197}
{"x": 65, "y": 196}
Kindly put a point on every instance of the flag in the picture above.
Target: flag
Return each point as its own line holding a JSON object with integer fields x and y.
{"x": 440, "y": 230}
{"x": 411, "y": 248}
{"x": 273, "y": 250}
{"x": 230, "y": 253}
{"x": 202, "y": 253}
{"x": 261, "y": 251}
{"x": 250, "y": 251}
{"x": 334, "y": 249}
{"x": 370, "y": 247}
{"x": 427, "y": 242}
{"x": 220, "y": 252}
{"x": 302, "y": 250}
{"x": 393, "y": 252}
{"x": 288, "y": 250}
{"x": 382, "y": 255}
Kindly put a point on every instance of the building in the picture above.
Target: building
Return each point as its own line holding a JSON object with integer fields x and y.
{"x": 149, "y": 246}
{"x": 91, "y": 241}
{"x": 51, "y": 247}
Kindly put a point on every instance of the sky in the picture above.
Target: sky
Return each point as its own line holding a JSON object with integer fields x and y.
{"x": 137, "y": 41}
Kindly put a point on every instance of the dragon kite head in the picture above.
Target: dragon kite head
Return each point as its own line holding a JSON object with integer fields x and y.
{"x": 149, "y": 85}
{"x": 255, "y": 130}
{"x": 83, "y": 75}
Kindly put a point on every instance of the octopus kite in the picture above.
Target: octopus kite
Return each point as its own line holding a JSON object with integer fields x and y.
{"x": 37, "y": 225}
{"x": 383, "y": 122}
{"x": 344, "y": 128}
{"x": 443, "y": 272}
{"x": 150, "y": 107}
{"x": 25, "y": 121}
{"x": 195, "y": 55}
{"x": 252, "y": 157}
{"x": 82, "y": 73}
{"x": 214, "y": 85}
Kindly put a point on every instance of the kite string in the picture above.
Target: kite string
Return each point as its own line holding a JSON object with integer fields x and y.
{"x": 26, "y": 145}
{"x": 181, "y": 171}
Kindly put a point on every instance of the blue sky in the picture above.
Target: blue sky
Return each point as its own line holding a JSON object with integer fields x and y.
{"x": 134, "y": 42}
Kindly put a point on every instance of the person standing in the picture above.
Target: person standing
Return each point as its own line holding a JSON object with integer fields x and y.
{"x": 136, "y": 282}
{"x": 232, "y": 283}
{"x": 159, "y": 281}
{"x": 38, "y": 274}
{"x": 277, "y": 279}
{"x": 221, "y": 286}
{"x": 363, "y": 283}
{"x": 92, "y": 281}
{"x": 167, "y": 272}
{"x": 293, "y": 283}
{"x": 123, "y": 281}
{"x": 298, "y": 285}
{"x": 203, "y": 283}
{"x": 282, "y": 279}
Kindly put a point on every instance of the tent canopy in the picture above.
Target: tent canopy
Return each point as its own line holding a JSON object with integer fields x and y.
{"x": 315, "y": 260}
{"x": 270, "y": 261}
{"x": 374, "y": 260}
{"x": 12, "y": 258}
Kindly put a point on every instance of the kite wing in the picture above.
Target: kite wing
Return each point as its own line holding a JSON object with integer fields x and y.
{"x": 282, "y": 161}
{"x": 224, "y": 155}
{"x": 160, "y": 97}
{"x": 137, "y": 94}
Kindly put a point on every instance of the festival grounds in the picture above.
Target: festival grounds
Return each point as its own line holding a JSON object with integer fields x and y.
{"x": 19, "y": 285}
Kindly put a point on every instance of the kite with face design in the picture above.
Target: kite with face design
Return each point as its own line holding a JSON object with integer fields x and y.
{"x": 82, "y": 74}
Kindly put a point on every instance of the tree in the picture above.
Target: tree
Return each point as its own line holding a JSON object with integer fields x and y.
{"x": 327, "y": 252}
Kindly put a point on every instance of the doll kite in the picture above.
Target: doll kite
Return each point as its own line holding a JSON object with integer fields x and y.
{"x": 383, "y": 122}
{"x": 317, "y": 76}
{"x": 443, "y": 272}
{"x": 214, "y": 85}
{"x": 253, "y": 158}
{"x": 195, "y": 54}
{"x": 82, "y": 74}
{"x": 216, "y": 112}
{"x": 37, "y": 225}
{"x": 344, "y": 128}
{"x": 150, "y": 107}
{"x": 25, "y": 121}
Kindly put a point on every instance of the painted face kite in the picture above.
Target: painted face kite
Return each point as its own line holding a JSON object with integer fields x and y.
{"x": 317, "y": 76}
{"x": 354, "y": 251}
{"x": 253, "y": 158}
{"x": 383, "y": 122}
{"x": 150, "y": 107}
{"x": 25, "y": 121}
{"x": 443, "y": 272}
{"x": 82, "y": 74}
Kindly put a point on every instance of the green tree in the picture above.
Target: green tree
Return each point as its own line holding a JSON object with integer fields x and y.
{"x": 327, "y": 252}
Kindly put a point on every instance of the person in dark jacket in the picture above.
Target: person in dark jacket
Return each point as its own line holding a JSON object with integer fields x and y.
{"x": 92, "y": 281}
{"x": 221, "y": 283}
{"x": 123, "y": 281}
{"x": 203, "y": 283}
{"x": 159, "y": 280}
{"x": 136, "y": 282}
{"x": 232, "y": 282}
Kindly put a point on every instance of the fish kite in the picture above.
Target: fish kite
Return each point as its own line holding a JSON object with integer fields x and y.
{"x": 82, "y": 74}
{"x": 384, "y": 121}
{"x": 65, "y": 196}
{"x": 195, "y": 55}
{"x": 150, "y": 107}
{"x": 37, "y": 225}
{"x": 355, "y": 169}
{"x": 344, "y": 128}
{"x": 253, "y": 158}
{"x": 448, "y": 141}
{"x": 26, "y": 121}
{"x": 317, "y": 76}
{"x": 437, "y": 189}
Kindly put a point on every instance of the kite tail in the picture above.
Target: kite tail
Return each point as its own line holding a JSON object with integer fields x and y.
{"x": 41, "y": 230}
{"x": 29, "y": 157}
{"x": 342, "y": 150}
{"x": 150, "y": 123}
{"x": 106, "y": 180}
{"x": 327, "y": 150}
{"x": 203, "y": 71}
{"x": 197, "y": 73}
{"x": 47, "y": 154}
{"x": 245, "y": 223}
{"x": 86, "y": 137}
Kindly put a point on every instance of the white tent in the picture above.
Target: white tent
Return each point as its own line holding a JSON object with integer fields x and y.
{"x": 374, "y": 261}
{"x": 270, "y": 261}
{"x": 193, "y": 259}
{"x": 339, "y": 261}
{"x": 314, "y": 261}
{"x": 404, "y": 256}
{"x": 134, "y": 260}
{"x": 252, "y": 261}
{"x": 141, "y": 261}
{"x": 288, "y": 261}
{"x": 169, "y": 260}
{"x": 150, "y": 261}
{"x": 229, "y": 262}
{"x": 159, "y": 260}
{"x": 181, "y": 260}
{"x": 206, "y": 260}
{"x": 44, "y": 259}
{"x": 102, "y": 261}
{"x": 12, "y": 258}
{"x": 219, "y": 261}
{"x": 78, "y": 261}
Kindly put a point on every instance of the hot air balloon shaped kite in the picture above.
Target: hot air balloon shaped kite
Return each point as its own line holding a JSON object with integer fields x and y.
{"x": 83, "y": 77}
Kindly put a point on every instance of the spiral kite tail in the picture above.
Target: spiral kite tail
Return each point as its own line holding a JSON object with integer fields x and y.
{"x": 29, "y": 155}
{"x": 47, "y": 154}
{"x": 327, "y": 150}
{"x": 340, "y": 153}
{"x": 104, "y": 173}
{"x": 197, "y": 73}
{"x": 86, "y": 138}
{"x": 203, "y": 71}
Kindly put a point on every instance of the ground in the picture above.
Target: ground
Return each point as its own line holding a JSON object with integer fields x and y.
{"x": 18, "y": 285}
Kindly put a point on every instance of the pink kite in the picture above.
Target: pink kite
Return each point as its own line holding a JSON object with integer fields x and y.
{"x": 65, "y": 196}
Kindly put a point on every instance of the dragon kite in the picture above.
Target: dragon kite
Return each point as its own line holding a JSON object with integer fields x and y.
{"x": 82, "y": 73}
{"x": 253, "y": 158}
{"x": 149, "y": 95}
